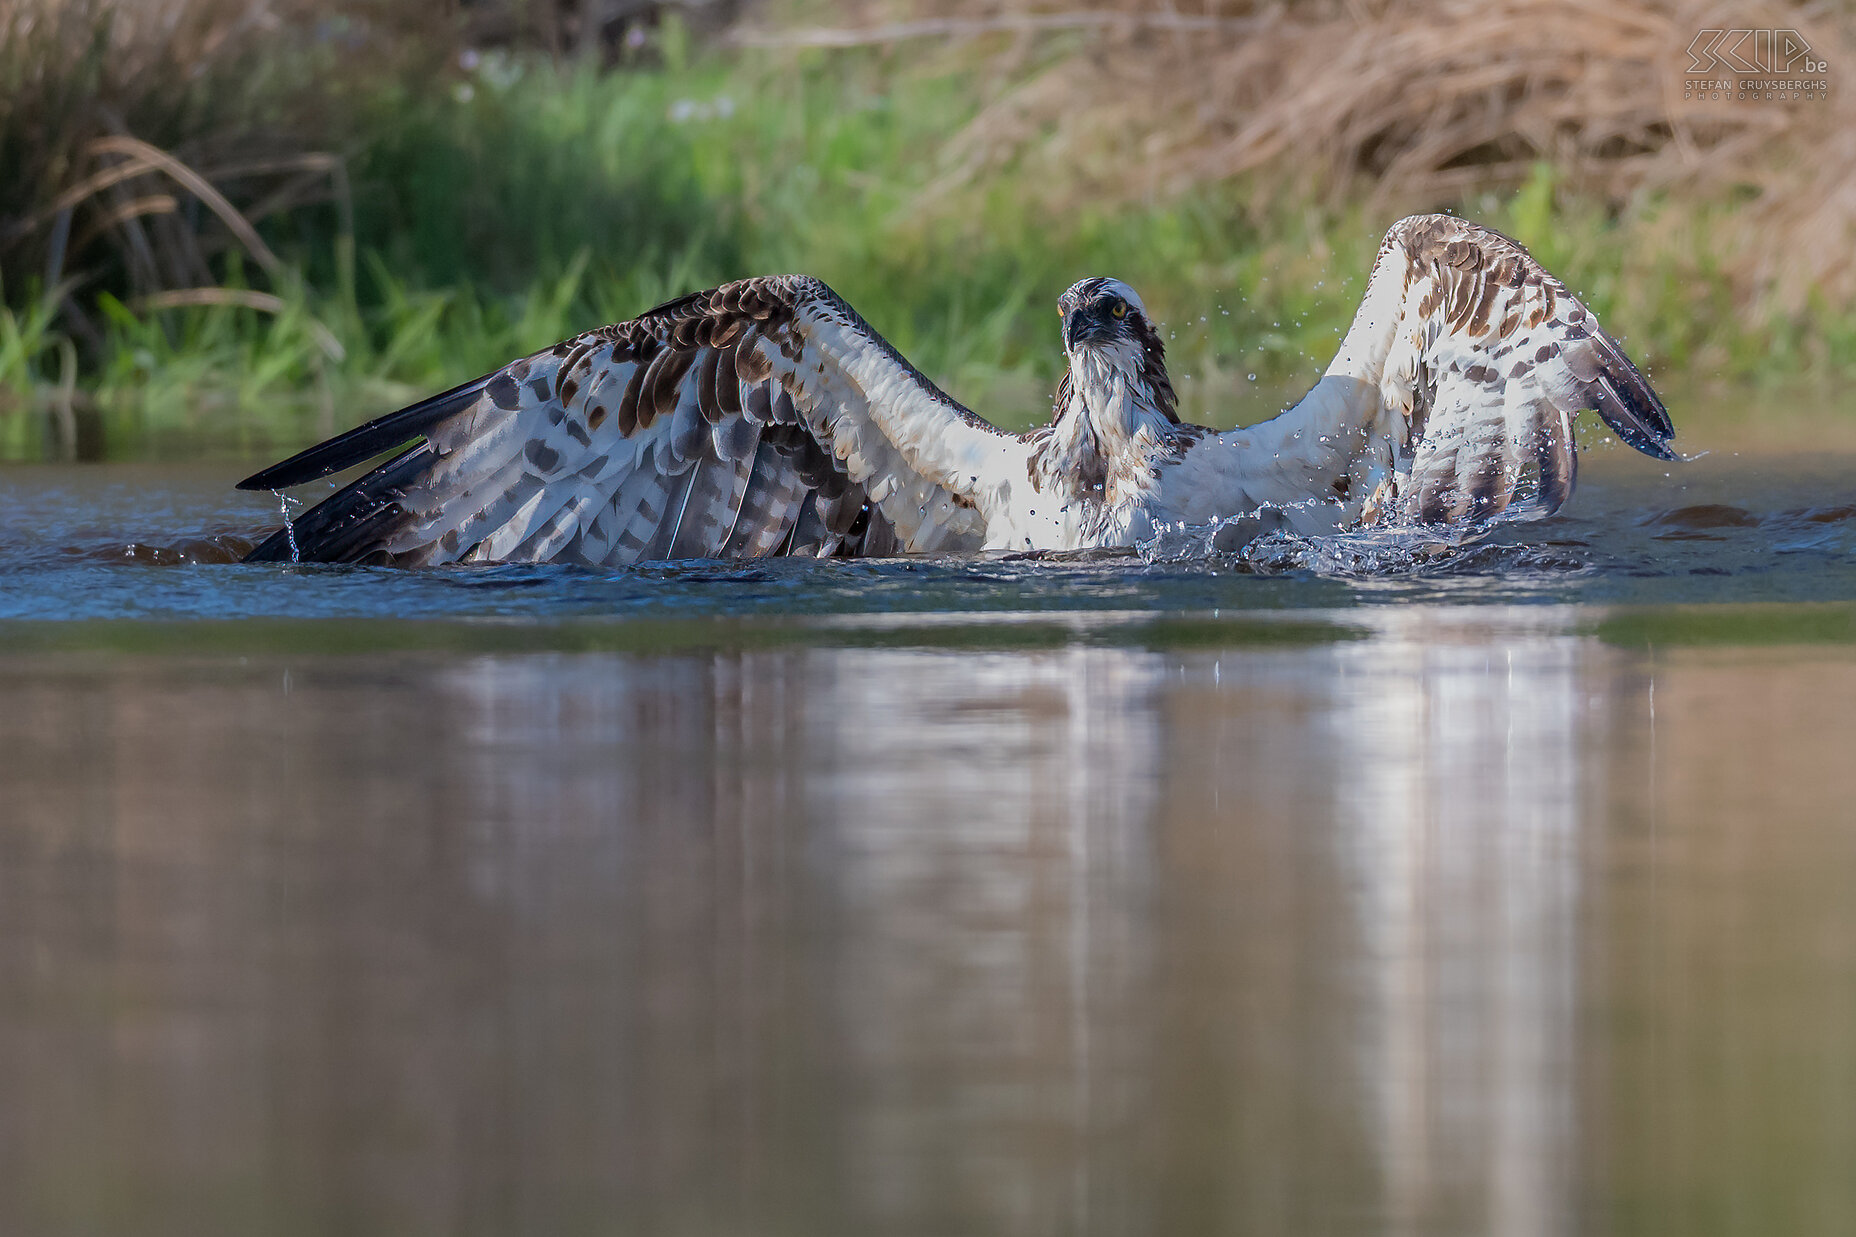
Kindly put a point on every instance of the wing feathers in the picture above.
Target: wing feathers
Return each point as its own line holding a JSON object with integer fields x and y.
{"x": 352, "y": 521}
{"x": 769, "y": 506}
{"x": 725, "y": 376}
{"x": 628, "y": 401}
{"x": 364, "y": 442}
{"x": 656, "y": 437}
{"x": 707, "y": 401}
{"x": 1626, "y": 402}
{"x": 735, "y": 437}
{"x": 1455, "y": 389}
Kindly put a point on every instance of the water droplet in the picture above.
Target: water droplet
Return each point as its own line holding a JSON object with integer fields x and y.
{"x": 283, "y": 505}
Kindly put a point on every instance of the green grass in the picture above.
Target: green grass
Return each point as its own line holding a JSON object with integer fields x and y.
{"x": 1730, "y": 626}
{"x": 532, "y": 202}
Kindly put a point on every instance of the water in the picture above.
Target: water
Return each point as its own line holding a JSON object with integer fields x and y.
{"x": 1505, "y": 893}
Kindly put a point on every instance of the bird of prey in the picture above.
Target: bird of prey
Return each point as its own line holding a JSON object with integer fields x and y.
{"x": 765, "y": 417}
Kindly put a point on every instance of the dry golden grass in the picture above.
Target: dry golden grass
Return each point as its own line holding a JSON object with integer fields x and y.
{"x": 141, "y": 140}
{"x": 140, "y": 146}
{"x": 144, "y": 139}
{"x": 1415, "y": 103}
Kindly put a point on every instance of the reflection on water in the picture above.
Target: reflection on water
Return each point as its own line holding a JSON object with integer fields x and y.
{"x": 1475, "y": 924}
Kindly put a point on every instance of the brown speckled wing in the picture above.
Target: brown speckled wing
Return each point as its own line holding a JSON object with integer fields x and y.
{"x": 1452, "y": 397}
{"x": 1494, "y": 360}
{"x": 760, "y": 417}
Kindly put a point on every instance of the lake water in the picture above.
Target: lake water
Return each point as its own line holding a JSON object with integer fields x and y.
{"x": 1509, "y": 892}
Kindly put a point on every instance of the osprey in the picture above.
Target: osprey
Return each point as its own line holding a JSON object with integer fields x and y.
{"x": 766, "y": 417}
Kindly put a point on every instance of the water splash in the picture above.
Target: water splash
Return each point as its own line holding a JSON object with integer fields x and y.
{"x": 1385, "y": 551}
{"x": 284, "y": 504}
{"x": 1186, "y": 543}
{"x": 1304, "y": 537}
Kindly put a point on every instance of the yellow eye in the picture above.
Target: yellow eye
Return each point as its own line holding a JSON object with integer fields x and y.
{"x": 1120, "y": 309}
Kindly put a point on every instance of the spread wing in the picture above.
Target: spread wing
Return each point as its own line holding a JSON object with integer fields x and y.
{"x": 1452, "y": 397}
{"x": 762, "y": 417}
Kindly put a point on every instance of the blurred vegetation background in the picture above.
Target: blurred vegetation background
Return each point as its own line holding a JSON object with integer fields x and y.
{"x": 235, "y": 225}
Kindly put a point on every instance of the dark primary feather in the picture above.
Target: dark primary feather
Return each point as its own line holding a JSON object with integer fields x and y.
{"x": 1626, "y": 401}
{"x": 364, "y": 442}
{"x": 347, "y": 526}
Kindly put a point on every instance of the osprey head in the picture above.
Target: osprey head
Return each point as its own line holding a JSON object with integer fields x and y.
{"x": 1101, "y": 313}
{"x": 1106, "y": 331}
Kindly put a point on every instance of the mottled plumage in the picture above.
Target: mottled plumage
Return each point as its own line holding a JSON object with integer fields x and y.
{"x": 765, "y": 417}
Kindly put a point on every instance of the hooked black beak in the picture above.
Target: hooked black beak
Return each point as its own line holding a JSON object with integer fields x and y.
{"x": 1080, "y": 326}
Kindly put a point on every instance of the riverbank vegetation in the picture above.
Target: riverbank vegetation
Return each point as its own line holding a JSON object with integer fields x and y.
{"x": 235, "y": 226}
